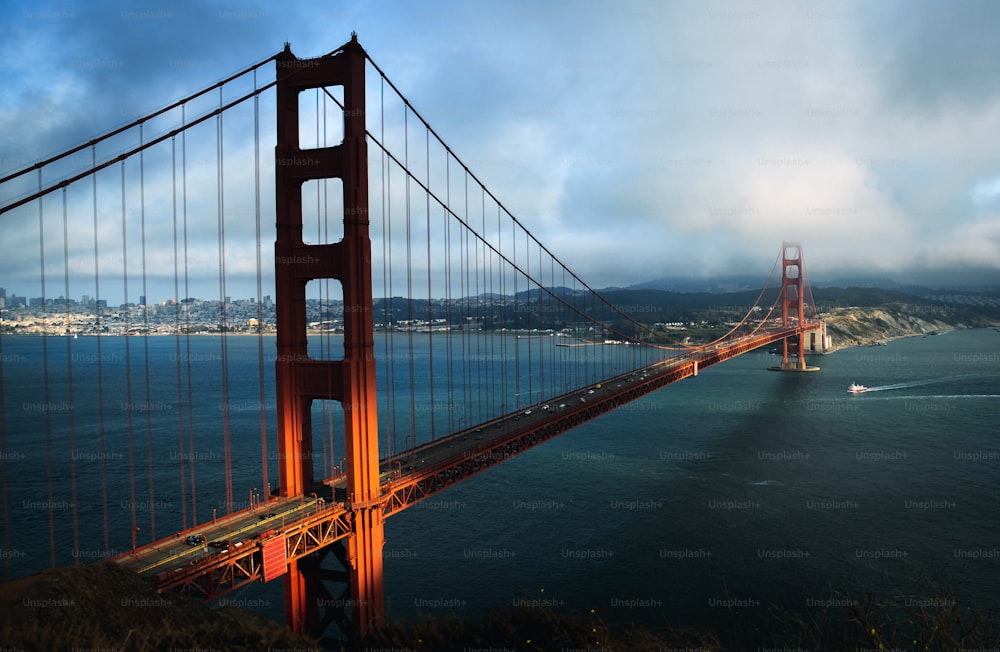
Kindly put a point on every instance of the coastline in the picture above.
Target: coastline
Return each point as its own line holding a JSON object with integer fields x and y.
{"x": 861, "y": 327}
{"x": 877, "y": 342}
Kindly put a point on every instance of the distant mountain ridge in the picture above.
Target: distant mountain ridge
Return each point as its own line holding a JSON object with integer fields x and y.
{"x": 735, "y": 283}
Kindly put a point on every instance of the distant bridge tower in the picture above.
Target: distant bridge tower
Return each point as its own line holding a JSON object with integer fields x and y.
{"x": 793, "y": 298}
{"x": 301, "y": 379}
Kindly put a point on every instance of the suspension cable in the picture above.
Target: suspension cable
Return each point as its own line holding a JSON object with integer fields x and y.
{"x": 136, "y": 123}
{"x": 132, "y": 152}
{"x": 485, "y": 189}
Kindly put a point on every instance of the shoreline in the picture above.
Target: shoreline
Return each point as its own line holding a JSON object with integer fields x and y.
{"x": 875, "y": 343}
{"x": 854, "y": 327}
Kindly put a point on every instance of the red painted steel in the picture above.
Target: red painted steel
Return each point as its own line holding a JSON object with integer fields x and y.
{"x": 792, "y": 296}
{"x": 274, "y": 562}
{"x": 299, "y": 378}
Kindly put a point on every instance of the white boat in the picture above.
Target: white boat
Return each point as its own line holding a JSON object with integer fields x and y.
{"x": 854, "y": 388}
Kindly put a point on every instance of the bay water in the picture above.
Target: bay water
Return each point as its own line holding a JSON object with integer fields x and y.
{"x": 725, "y": 498}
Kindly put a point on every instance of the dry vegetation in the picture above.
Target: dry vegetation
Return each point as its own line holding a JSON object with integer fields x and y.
{"x": 104, "y": 606}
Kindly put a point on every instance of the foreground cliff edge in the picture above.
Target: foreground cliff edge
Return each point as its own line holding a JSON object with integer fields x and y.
{"x": 104, "y": 606}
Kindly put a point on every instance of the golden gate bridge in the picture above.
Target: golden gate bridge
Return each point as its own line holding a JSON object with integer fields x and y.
{"x": 483, "y": 345}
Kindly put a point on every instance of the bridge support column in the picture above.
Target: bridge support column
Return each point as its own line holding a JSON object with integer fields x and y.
{"x": 793, "y": 296}
{"x": 301, "y": 379}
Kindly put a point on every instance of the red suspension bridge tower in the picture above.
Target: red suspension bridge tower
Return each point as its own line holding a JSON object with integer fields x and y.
{"x": 792, "y": 298}
{"x": 301, "y": 379}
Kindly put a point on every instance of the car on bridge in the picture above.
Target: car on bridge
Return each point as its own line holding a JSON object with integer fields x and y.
{"x": 223, "y": 545}
{"x": 195, "y": 540}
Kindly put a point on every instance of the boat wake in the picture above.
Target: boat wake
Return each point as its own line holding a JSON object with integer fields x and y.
{"x": 915, "y": 397}
{"x": 915, "y": 383}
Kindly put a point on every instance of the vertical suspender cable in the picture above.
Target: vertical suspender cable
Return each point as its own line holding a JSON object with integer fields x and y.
{"x": 463, "y": 263}
{"x": 496, "y": 356}
{"x": 553, "y": 376}
{"x": 187, "y": 321}
{"x": 223, "y": 322}
{"x": 177, "y": 339}
{"x": 128, "y": 362}
{"x": 578, "y": 373}
{"x": 541, "y": 328}
{"x": 326, "y": 227}
{"x": 100, "y": 361}
{"x": 265, "y": 482}
{"x": 328, "y": 310}
{"x": 527, "y": 273}
{"x": 477, "y": 302}
{"x": 430, "y": 302}
{"x": 446, "y": 225}
{"x": 386, "y": 284}
{"x": 504, "y": 355}
{"x": 477, "y": 346}
{"x": 69, "y": 388}
{"x": 409, "y": 275}
{"x": 491, "y": 334}
{"x": 323, "y": 285}
{"x": 145, "y": 337}
{"x": 597, "y": 334}
{"x": 324, "y": 352}
{"x": 517, "y": 322}
{"x": 45, "y": 375}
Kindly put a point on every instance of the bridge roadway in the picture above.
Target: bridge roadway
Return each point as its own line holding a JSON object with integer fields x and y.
{"x": 308, "y": 523}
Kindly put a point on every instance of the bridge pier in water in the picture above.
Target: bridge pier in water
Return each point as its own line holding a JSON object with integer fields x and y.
{"x": 301, "y": 379}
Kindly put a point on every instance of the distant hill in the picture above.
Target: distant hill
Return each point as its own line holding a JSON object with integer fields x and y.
{"x": 735, "y": 283}
{"x": 715, "y": 285}
{"x": 652, "y": 305}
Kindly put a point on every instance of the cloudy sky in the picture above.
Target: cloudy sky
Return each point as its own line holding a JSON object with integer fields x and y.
{"x": 637, "y": 139}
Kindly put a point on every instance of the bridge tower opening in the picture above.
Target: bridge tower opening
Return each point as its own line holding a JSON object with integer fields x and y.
{"x": 301, "y": 379}
{"x": 793, "y": 300}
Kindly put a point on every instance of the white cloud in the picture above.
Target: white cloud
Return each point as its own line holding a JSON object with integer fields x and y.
{"x": 986, "y": 191}
{"x": 634, "y": 139}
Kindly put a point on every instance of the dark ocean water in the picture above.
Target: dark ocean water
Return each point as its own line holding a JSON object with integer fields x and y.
{"x": 740, "y": 490}
{"x": 712, "y": 502}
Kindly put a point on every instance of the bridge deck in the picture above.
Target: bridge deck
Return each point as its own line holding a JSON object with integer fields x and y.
{"x": 308, "y": 523}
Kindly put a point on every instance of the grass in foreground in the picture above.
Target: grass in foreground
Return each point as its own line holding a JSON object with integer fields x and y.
{"x": 921, "y": 621}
